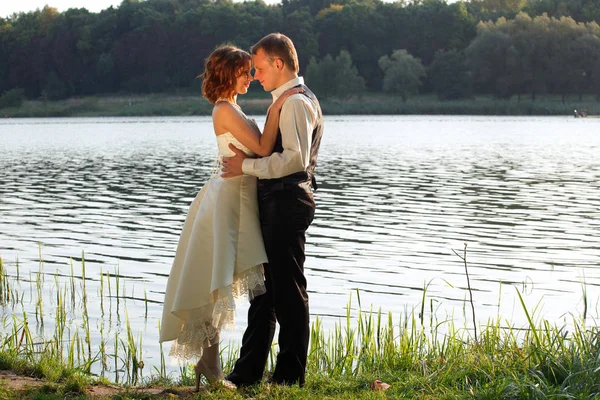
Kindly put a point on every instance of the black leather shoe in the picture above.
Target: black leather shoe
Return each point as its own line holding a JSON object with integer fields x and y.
{"x": 237, "y": 380}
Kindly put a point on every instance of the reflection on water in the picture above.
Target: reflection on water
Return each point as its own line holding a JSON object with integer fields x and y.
{"x": 397, "y": 195}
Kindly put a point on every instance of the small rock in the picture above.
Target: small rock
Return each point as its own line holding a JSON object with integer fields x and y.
{"x": 378, "y": 385}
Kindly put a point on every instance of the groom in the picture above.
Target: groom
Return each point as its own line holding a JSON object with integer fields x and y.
{"x": 286, "y": 208}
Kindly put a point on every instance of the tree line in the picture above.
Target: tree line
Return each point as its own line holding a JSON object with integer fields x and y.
{"x": 346, "y": 47}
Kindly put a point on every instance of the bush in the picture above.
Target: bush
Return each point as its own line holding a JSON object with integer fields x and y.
{"x": 334, "y": 77}
{"x": 402, "y": 73}
{"x": 12, "y": 98}
{"x": 55, "y": 88}
{"x": 449, "y": 75}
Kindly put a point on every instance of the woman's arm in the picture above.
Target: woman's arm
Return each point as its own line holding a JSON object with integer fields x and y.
{"x": 227, "y": 119}
{"x": 269, "y": 136}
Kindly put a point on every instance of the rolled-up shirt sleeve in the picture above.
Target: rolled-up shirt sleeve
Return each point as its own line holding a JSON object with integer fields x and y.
{"x": 296, "y": 123}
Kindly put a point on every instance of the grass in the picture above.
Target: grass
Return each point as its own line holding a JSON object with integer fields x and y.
{"x": 256, "y": 103}
{"x": 419, "y": 355}
{"x": 479, "y": 105}
{"x": 126, "y": 106}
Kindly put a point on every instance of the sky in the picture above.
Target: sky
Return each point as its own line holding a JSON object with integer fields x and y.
{"x": 8, "y": 7}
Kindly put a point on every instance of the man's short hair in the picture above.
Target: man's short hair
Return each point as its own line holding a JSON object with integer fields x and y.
{"x": 277, "y": 45}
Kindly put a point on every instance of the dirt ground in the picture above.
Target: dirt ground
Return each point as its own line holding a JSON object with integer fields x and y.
{"x": 12, "y": 381}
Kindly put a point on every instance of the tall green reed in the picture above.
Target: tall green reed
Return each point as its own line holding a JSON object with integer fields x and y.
{"x": 464, "y": 259}
{"x": 366, "y": 343}
{"x": 71, "y": 342}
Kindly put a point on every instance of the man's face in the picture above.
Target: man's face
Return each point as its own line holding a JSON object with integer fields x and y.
{"x": 265, "y": 70}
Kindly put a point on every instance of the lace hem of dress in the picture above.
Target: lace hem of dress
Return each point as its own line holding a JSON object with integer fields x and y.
{"x": 209, "y": 320}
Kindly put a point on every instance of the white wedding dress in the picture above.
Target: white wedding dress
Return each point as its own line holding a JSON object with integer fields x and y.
{"x": 219, "y": 259}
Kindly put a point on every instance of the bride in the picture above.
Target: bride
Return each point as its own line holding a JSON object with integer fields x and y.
{"x": 220, "y": 252}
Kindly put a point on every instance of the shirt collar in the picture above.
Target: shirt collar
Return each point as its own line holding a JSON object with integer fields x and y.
{"x": 288, "y": 85}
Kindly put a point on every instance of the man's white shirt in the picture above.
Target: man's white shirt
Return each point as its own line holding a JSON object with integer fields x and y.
{"x": 296, "y": 122}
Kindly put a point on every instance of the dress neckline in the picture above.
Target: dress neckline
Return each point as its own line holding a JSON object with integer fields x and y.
{"x": 225, "y": 99}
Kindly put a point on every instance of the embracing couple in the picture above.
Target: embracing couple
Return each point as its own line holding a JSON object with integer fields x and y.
{"x": 246, "y": 236}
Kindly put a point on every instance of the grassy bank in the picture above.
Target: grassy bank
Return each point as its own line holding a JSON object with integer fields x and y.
{"x": 185, "y": 105}
{"x": 417, "y": 354}
{"x": 543, "y": 362}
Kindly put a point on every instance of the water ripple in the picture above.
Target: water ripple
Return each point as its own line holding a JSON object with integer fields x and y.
{"x": 397, "y": 195}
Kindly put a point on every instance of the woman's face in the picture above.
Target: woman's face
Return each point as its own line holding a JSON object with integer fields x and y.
{"x": 243, "y": 80}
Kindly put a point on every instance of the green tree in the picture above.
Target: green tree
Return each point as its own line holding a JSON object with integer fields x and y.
{"x": 501, "y": 5}
{"x": 434, "y": 26}
{"x": 55, "y": 88}
{"x": 589, "y": 62}
{"x": 27, "y": 52}
{"x": 320, "y": 75}
{"x": 594, "y": 79}
{"x": 531, "y": 40}
{"x": 314, "y": 6}
{"x": 300, "y": 28}
{"x": 567, "y": 56}
{"x": 158, "y": 45}
{"x": 449, "y": 75}
{"x": 334, "y": 77}
{"x": 12, "y": 98}
{"x": 142, "y": 56}
{"x": 5, "y": 28}
{"x": 492, "y": 58}
{"x": 402, "y": 73}
{"x": 105, "y": 73}
{"x": 534, "y": 55}
{"x": 361, "y": 29}
{"x": 579, "y": 10}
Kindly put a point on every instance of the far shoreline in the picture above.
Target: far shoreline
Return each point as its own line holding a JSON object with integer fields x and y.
{"x": 136, "y": 105}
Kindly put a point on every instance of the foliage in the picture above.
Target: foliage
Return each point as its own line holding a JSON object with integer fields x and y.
{"x": 334, "y": 77}
{"x": 370, "y": 30}
{"x": 500, "y": 5}
{"x": 402, "y": 73}
{"x": 366, "y": 103}
{"x": 420, "y": 355}
{"x": 579, "y": 10}
{"x": 535, "y": 55}
{"x": 12, "y": 98}
{"x": 491, "y": 57}
{"x": 449, "y": 75}
{"x": 157, "y": 46}
{"x": 56, "y": 88}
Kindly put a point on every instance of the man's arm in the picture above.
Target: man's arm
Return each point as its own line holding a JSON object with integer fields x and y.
{"x": 296, "y": 123}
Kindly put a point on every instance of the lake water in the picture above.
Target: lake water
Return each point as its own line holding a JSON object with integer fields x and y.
{"x": 397, "y": 195}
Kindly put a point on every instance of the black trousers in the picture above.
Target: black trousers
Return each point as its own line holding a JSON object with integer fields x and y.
{"x": 284, "y": 216}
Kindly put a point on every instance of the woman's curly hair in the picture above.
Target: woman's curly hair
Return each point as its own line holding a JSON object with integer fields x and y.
{"x": 221, "y": 70}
